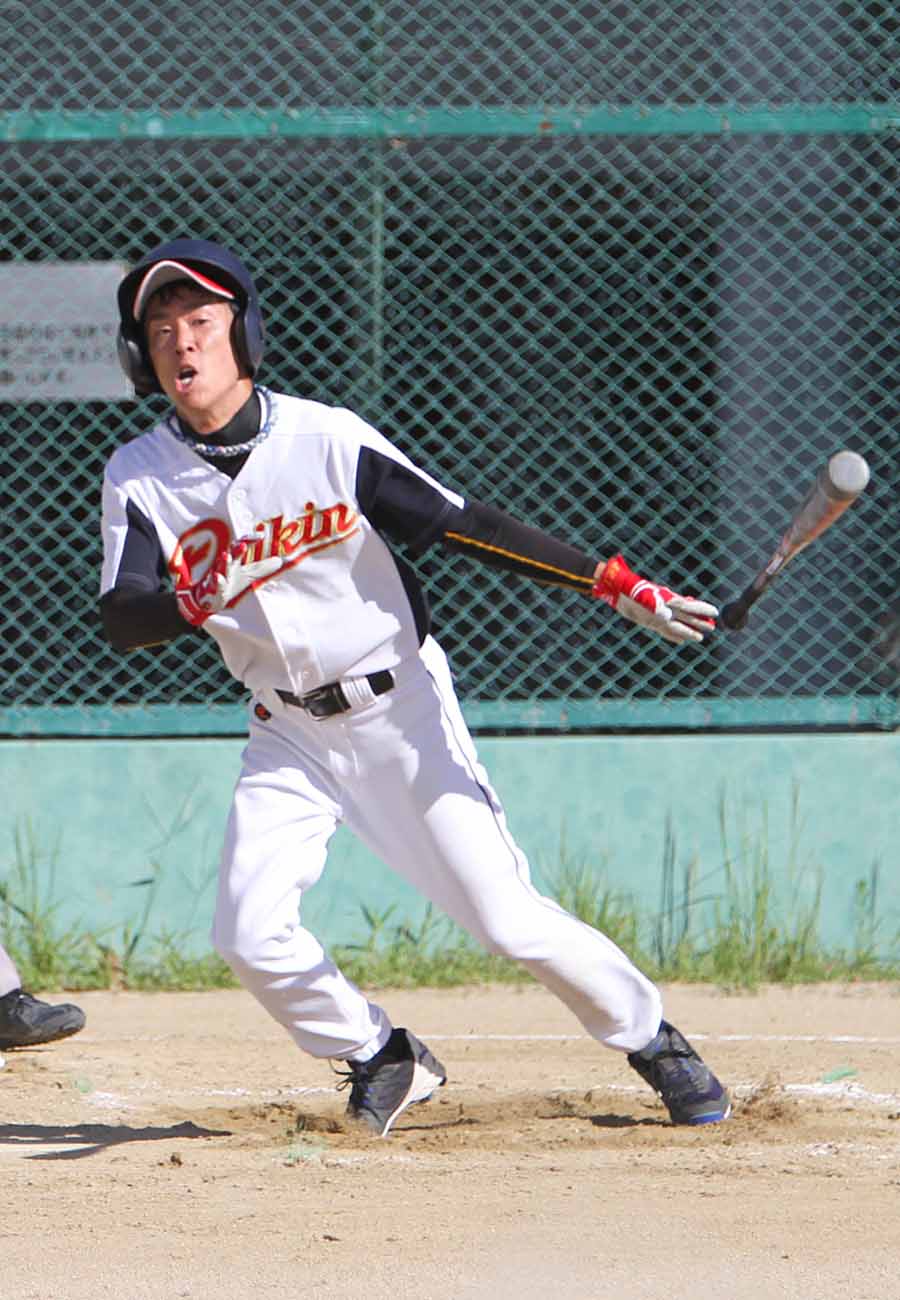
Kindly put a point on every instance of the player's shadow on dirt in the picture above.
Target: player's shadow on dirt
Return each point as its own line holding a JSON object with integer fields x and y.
{"x": 626, "y": 1121}
{"x": 605, "y": 1121}
{"x": 89, "y": 1139}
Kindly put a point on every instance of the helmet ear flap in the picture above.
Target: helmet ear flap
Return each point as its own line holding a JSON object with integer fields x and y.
{"x": 136, "y": 366}
{"x": 248, "y": 337}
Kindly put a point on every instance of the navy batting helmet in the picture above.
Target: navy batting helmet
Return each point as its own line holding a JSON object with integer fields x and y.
{"x": 212, "y": 267}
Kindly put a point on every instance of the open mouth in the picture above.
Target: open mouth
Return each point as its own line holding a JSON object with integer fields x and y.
{"x": 185, "y": 378}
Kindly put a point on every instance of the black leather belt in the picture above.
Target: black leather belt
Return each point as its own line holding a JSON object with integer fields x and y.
{"x": 326, "y": 701}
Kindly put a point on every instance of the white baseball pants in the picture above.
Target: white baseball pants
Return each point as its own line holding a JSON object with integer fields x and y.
{"x": 402, "y": 774}
{"x": 9, "y": 976}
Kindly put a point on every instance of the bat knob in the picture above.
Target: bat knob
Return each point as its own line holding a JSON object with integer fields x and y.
{"x": 733, "y": 616}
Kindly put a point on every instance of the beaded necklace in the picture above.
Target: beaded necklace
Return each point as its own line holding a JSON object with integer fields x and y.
{"x": 212, "y": 449}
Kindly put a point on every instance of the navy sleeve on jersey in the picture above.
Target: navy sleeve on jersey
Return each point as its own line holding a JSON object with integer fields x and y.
{"x": 136, "y": 611}
{"x": 406, "y": 508}
{"x": 399, "y": 502}
{"x": 143, "y": 564}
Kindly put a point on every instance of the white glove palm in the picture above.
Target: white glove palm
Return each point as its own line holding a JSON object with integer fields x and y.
{"x": 676, "y": 618}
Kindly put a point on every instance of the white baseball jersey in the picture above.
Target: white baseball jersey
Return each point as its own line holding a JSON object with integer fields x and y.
{"x": 315, "y": 493}
{"x": 317, "y": 490}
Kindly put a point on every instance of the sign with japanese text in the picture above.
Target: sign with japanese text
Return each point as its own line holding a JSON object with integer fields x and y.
{"x": 58, "y": 326}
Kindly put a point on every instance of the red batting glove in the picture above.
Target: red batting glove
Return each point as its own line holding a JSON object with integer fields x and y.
{"x": 677, "y": 618}
{"x": 226, "y": 579}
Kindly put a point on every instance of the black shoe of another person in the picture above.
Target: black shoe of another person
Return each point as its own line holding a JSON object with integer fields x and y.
{"x": 402, "y": 1073}
{"x": 688, "y": 1087}
{"x": 25, "y": 1021}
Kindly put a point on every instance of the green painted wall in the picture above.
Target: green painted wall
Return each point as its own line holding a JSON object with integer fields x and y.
{"x": 108, "y": 815}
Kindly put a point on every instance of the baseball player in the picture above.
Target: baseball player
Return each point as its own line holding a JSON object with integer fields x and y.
{"x": 270, "y": 522}
{"x": 25, "y": 1021}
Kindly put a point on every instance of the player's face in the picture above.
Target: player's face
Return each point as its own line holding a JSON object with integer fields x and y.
{"x": 189, "y": 342}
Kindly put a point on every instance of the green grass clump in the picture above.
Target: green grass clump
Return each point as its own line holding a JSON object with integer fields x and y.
{"x": 746, "y": 923}
{"x": 736, "y": 939}
{"x": 49, "y": 955}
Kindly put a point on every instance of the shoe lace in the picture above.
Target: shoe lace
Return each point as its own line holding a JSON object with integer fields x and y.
{"x": 356, "y": 1078}
{"x": 679, "y": 1071}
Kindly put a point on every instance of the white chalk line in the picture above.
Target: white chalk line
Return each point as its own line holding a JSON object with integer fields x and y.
{"x": 693, "y": 1037}
{"x": 848, "y": 1093}
{"x": 574, "y": 1036}
{"x": 853, "y": 1092}
{"x": 845, "y": 1091}
{"x": 116, "y": 1101}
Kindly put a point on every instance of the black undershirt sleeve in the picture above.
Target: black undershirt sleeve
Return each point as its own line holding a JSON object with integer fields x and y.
{"x": 133, "y": 617}
{"x": 490, "y": 535}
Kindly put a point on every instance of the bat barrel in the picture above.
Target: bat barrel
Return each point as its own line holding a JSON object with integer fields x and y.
{"x": 835, "y": 487}
{"x": 845, "y": 476}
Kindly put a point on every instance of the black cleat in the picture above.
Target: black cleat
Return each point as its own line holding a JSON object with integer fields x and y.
{"x": 673, "y": 1069}
{"x": 26, "y": 1022}
{"x": 402, "y": 1073}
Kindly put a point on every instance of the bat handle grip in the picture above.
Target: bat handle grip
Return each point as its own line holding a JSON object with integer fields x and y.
{"x": 734, "y": 614}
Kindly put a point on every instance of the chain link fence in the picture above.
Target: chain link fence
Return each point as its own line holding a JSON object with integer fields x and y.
{"x": 630, "y": 270}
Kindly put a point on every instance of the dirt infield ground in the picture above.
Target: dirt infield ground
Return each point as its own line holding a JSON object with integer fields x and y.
{"x": 181, "y": 1147}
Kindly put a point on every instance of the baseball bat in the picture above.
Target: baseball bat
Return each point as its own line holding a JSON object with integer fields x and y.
{"x": 834, "y": 489}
